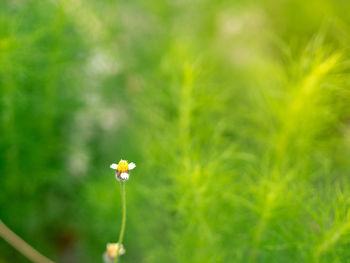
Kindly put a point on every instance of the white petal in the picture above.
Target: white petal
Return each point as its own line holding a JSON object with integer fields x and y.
{"x": 114, "y": 166}
{"x": 132, "y": 166}
{"x": 124, "y": 176}
{"x": 116, "y": 177}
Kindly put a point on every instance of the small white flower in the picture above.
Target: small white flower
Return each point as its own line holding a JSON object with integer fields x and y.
{"x": 111, "y": 251}
{"x": 122, "y": 168}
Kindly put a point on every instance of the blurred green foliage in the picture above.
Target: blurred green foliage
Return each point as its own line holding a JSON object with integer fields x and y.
{"x": 236, "y": 114}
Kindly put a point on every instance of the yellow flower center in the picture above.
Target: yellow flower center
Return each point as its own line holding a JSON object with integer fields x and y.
{"x": 123, "y": 166}
{"x": 112, "y": 249}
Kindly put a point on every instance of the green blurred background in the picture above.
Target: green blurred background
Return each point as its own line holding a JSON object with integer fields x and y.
{"x": 236, "y": 114}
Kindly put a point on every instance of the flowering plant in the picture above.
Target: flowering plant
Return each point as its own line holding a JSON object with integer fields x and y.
{"x": 114, "y": 250}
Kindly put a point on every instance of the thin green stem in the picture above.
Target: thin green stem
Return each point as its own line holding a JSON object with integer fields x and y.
{"x": 122, "y": 230}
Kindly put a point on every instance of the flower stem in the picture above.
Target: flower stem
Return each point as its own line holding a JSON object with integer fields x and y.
{"x": 122, "y": 230}
{"x": 22, "y": 246}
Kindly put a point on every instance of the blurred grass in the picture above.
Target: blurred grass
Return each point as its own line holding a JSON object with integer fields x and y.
{"x": 236, "y": 114}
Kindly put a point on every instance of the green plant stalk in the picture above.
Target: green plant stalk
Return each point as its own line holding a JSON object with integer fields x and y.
{"x": 22, "y": 246}
{"x": 122, "y": 230}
